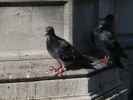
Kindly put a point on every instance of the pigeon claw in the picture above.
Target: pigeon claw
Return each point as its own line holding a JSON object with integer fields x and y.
{"x": 52, "y": 69}
{"x": 58, "y": 71}
{"x": 105, "y": 60}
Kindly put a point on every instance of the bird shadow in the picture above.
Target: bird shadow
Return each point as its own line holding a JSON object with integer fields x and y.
{"x": 95, "y": 84}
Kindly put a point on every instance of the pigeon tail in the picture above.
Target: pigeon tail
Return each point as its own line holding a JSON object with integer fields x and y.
{"x": 77, "y": 66}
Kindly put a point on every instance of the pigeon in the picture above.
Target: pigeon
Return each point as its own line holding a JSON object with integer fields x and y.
{"x": 106, "y": 40}
{"x": 68, "y": 57}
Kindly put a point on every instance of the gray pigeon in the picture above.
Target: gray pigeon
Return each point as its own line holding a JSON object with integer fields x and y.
{"x": 104, "y": 38}
{"x": 68, "y": 57}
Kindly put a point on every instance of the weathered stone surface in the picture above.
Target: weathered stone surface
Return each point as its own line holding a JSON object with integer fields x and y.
{"x": 34, "y": 68}
{"x": 23, "y": 28}
{"x": 59, "y": 88}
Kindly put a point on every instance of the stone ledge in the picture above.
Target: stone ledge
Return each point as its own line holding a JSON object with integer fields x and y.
{"x": 38, "y": 70}
{"x": 67, "y": 87}
{"x": 76, "y": 74}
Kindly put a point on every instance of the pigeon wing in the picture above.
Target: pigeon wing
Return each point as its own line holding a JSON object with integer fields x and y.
{"x": 67, "y": 52}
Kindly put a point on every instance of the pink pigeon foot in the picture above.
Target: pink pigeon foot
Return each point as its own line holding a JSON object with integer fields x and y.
{"x": 105, "y": 60}
{"x": 58, "y": 71}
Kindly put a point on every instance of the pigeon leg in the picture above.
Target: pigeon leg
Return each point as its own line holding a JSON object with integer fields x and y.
{"x": 58, "y": 71}
{"x": 104, "y": 60}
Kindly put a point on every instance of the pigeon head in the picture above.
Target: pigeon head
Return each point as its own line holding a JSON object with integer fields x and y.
{"x": 50, "y": 30}
{"x": 106, "y": 23}
{"x": 109, "y": 18}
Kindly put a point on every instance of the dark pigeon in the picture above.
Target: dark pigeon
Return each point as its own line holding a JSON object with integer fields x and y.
{"x": 68, "y": 57}
{"x": 106, "y": 40}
